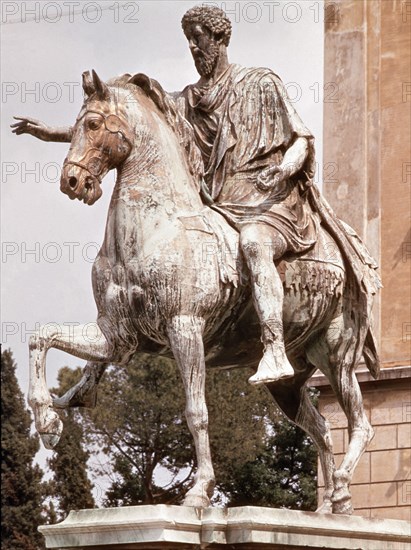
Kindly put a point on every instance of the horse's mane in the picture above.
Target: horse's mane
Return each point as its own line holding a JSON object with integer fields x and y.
{"x": 167, "y": 106}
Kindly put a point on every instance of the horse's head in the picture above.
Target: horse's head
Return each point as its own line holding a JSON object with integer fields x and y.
{"x": 102, "y": 139}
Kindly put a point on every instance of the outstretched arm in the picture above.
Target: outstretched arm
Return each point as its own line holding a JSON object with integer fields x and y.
{"x": 293, "y": 161}
{"x": 41, "y": 131}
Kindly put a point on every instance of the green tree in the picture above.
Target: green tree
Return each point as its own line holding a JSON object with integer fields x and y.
{"x": 21, "y": 488}
{"x": 282, "y": 474}
{"x": 70, "y": 485}
{"x": 259, "y": 457}
{"x": 237, "y": 417}
{"x": 139, "y": 423}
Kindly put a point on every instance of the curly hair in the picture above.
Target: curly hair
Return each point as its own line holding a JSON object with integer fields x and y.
{"x": 210, "y": 17}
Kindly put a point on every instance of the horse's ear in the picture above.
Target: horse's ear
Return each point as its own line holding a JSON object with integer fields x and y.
{"x": 101, "y": 88}
{"x": 152, "y": 88}
{"x": 88, "y": 85}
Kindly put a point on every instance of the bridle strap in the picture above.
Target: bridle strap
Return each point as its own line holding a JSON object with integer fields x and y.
{"x": 85, "y": 167}
{"x": 104, "y": 117}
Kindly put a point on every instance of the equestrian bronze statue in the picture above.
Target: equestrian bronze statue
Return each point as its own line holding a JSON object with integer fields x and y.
{"x": 219, "y": 250}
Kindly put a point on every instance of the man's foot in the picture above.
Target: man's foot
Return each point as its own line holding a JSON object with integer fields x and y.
{"x": 273, "y": 366}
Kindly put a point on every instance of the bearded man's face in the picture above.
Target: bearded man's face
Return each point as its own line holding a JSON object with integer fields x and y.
{"x": 204, "y": 49}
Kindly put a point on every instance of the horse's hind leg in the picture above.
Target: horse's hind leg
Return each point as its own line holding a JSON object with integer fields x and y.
{"x": 334, "y": 356}
{"x": 186, "y": 339}
{"x": 360, "y": 434}
{"x": 71, "y": 340}
{"x": 293, "y": 399}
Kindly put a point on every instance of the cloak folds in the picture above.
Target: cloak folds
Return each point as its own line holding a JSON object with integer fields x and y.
{"x": 243, "y": 124}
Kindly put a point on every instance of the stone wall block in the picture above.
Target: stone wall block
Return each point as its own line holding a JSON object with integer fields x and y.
{"x": 404, "y": 436}
{"x": 391, "y": 465}
{"x": 391, "y": 407}
{"x": 362, "y": 472}
{"x": 385, "y": 438}
{"x": 377, "y": 495}
{"x": 401, "y": 512}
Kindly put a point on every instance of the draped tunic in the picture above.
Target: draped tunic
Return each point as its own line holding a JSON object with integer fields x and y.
{"x": 243, "y": 124}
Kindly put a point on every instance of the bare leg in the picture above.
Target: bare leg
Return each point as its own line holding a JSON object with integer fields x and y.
{"x": 76, "y": 342}
{"x": 186, "y": 340}
{"x": 261, "y": 245}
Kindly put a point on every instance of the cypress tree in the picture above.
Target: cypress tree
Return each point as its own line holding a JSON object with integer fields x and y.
{"x": 21, "y": 488}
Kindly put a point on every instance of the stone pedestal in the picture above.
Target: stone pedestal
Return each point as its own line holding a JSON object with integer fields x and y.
{"x": 243, "y": 528}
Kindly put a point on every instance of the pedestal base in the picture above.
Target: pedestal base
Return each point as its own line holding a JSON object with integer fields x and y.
{"x": 243, "y": 528}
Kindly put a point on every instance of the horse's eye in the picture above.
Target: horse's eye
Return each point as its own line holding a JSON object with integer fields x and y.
{"x": 93, "y": 124}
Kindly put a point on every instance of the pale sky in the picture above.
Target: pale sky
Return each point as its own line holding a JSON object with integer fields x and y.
{"x": 48, "y": 241}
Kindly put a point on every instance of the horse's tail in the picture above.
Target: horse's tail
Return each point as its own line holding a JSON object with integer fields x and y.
{"x": 370, "y": 354}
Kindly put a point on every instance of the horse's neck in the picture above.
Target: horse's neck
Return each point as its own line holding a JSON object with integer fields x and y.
{"x": 157, "y": 167}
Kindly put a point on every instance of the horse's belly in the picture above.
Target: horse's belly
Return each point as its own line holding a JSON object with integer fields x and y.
{"x": 312, "y": 295}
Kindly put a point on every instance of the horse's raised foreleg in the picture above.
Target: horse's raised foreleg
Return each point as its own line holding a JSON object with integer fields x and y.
{"x": 186, "y": 339}
{"x": 75, "y": 341}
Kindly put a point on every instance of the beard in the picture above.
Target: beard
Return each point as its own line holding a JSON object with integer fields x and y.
{"x": 206, "y": 61}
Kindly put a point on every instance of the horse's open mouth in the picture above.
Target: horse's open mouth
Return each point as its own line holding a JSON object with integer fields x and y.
{"x": 80, "y": 184}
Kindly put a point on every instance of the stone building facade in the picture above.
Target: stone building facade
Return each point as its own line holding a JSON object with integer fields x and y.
{"x": 367, "y": 179}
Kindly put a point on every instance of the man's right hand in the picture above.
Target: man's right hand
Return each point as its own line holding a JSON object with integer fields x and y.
{"x": 33, "y": 127}
{"x": 270, "y": 177}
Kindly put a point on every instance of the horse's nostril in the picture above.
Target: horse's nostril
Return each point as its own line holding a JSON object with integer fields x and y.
{"x": 73, "y": 182}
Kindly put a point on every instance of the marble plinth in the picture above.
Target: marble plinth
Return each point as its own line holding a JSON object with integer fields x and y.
{"x": 244, "y": 528}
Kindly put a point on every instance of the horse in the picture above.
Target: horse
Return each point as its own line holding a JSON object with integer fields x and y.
{"x": 170, "y": 279}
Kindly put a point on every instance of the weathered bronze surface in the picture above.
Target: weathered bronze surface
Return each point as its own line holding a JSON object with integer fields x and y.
{"x": 216, "y": 234}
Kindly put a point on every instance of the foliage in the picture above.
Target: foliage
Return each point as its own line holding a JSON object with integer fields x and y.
{"x": 283, "y": 474}
{"x": 259, "y": 457}
{"x": 237, "y": 416}
{"x": 139, "y": 421}
{"x": 21, "y": 488}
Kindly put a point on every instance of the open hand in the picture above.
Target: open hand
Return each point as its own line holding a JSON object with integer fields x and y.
{"x": 31, "y": 126}
{"x": 270, "y": 177}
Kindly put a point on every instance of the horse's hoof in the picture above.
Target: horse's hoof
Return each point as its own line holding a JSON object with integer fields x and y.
{"x": 343, "y": 507}
{"x": 341, "y": 497}
{"x": 341, "y": 502}
{"x": 50, "y": 440}
{"x": 50, "y": 428}
{"x": 325, "y": 508}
